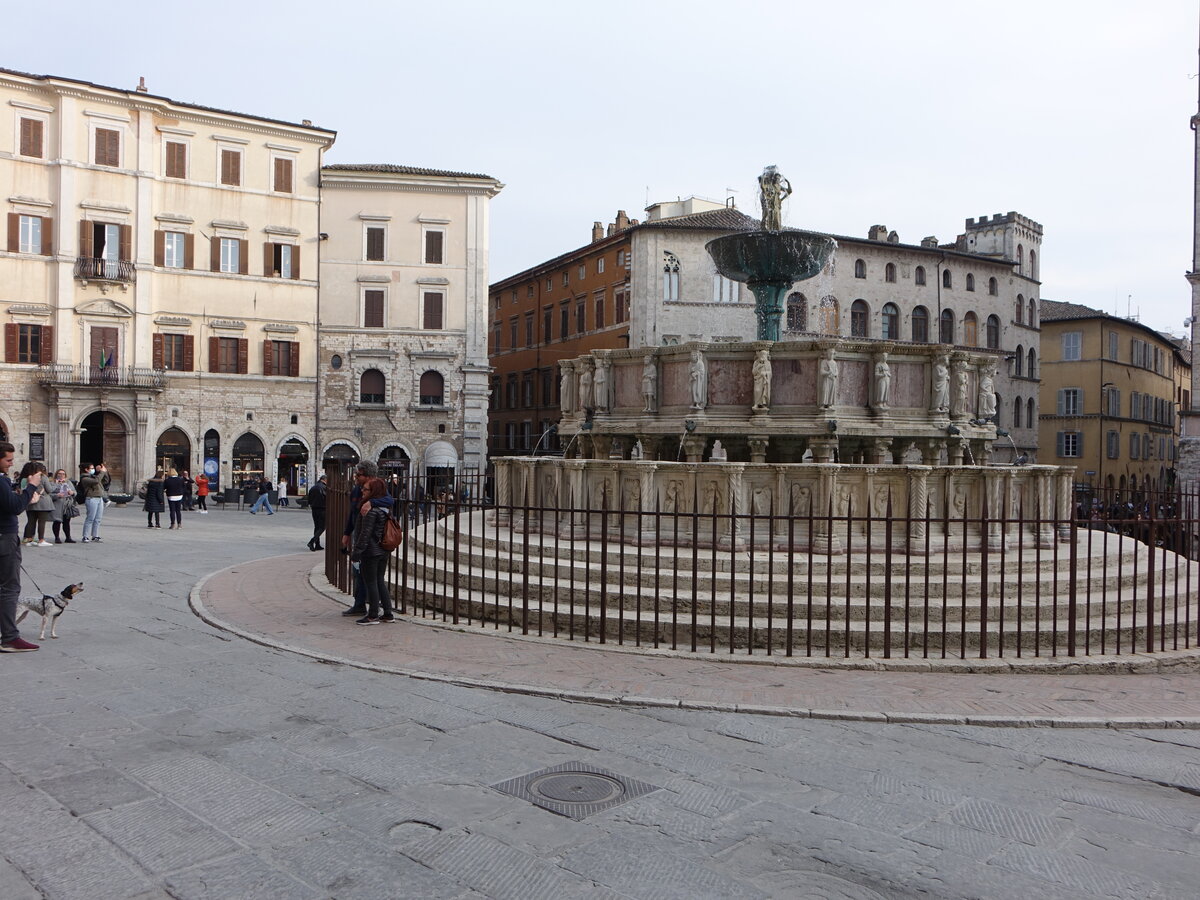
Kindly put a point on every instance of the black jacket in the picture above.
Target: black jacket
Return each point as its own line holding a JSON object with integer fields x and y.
{"x": 156, "y": 499}
{"x": 368, "y": 534}
{"x": 173, "y": 486}
{"x": 12, "y": 504}
{"x": 316, "y": 496}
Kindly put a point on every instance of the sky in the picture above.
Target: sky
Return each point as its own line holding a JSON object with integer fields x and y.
{"x": 913, "y": 116}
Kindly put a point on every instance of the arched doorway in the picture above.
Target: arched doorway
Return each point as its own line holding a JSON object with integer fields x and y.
{"x": 339, "y": 456}
{"x": 248, "y": 459}
{"x": 174, "y": 451}
{"x": 212, "y": 459}
{"x": 102, "y": 439}
{"x": 293, "y": 465}
{"x": 393, "y": 461}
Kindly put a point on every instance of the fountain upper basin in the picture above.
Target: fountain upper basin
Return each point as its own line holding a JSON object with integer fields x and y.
{"x": 770, "y": 256}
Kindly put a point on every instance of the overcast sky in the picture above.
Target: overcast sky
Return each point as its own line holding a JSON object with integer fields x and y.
{"x": 914, "y": 116}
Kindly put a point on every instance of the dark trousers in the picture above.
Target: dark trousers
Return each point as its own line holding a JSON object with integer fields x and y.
{"x": 373, "y": 571}
{"x": 35, "y": 520}
{"x": 10, "y": 585}
{"x": 176, "y": 511}
{"x": 152, "y": 519}
{"x": 65, "y": 524}
{"x": 202, "y": 502}
{"x": 318, "y": 516}
{"x": 360, "y": 590}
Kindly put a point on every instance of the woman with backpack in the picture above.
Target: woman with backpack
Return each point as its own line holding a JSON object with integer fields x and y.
{"x": 368, "y": 551}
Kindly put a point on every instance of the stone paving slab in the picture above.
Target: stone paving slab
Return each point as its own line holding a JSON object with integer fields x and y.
{"x": 277, "y": 602}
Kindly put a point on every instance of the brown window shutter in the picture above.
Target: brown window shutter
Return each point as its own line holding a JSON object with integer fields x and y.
{"x": 214, "y": 254}
{"x": 433, "y": 311}
{"x": 10, "y": 342}
{"x": 243, "y": 365}
{"x": 373, "y": 309}
{"x": 126, "y": 233}
{"x": 375, "y": 243}
{"x": 268, "y": 358}
{"x": 189, "y": 353}
{"x": 85, "y": 238}
{"x": 244, "y": 257}
{"x": 294, "y": 360}
{"x": 269, "y": 260}
{"x": 160, "y": 250}
{"x": 31, "y": 138}
{"x": 157, "y": 351}
{"x": 433, "y": 247}
{"x": 189, "y": 251}
{"x": 108, "y": 147}
{"x": 176, "y": 159}
{"x": 14, "y": 232}
{"x": 296, "y": 262}
{"x": 47, "y": 236}
{"x": 214, "y": 354}
{"x": 283, "y": 176}
{"x": 47, "y": 344}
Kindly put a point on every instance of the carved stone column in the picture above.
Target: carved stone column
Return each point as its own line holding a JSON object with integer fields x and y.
{"x": 501, "y": 517}
{"x": 1064, "y": 510}
{"x": 879, "y": 452}
{"x": 693, "y": 448}
{"x": 931, "y": 452}
{"x": 823, "y": 448}
{"x": 652, "y": 445}
{"x": 825, "y": 538}
{"x": 648, "y": 476}
{"x": 955, "y": 450}
{"x": 918, "y": 501}
{"x": 758, "y": 448}
{"x": 734, "y": 536}
{"x": 993, "y": 487}
{"x": 64, "y": 448}
{"x": 601, "y": 446}
{"x": 1044, "y": 507}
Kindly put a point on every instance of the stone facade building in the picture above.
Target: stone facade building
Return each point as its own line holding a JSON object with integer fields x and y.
{"x": 161, "y": 290}
{"x": 980, "y": 291}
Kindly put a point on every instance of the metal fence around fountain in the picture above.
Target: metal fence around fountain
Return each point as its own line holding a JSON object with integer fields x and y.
{"x": 1118, "y": 577}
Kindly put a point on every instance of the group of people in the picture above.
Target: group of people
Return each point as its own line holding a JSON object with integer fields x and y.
{"x": 170, "y": 490}
{"x": 370, "y": 507}
{"x": 62, "y": 500}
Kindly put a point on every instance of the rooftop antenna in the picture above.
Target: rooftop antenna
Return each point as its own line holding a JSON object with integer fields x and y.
{"x": 730, "y": 201}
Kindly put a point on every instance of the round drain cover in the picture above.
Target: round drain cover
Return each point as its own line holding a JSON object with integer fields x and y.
{"x": 576, "y": 787}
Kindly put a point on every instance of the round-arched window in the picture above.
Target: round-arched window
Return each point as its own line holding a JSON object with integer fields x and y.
{"x": 433, "y": 388}
{"x": 372, "y": 387}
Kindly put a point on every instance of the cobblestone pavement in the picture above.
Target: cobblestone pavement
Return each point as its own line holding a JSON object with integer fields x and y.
{"x": 147, "y": 754}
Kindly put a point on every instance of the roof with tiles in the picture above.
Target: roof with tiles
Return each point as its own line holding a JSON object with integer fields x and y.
{"x": 726, "y": 219}
{"x": 392, "y": 169}
{"x": 1057, "y": 310}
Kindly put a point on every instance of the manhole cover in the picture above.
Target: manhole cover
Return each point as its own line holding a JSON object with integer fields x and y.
{"x": 574, "y": 789}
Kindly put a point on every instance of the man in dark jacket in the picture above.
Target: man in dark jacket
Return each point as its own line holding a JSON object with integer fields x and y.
{"x": 363, "y": 472}
{"x": 316, "y": 503}
{"x": 12, "y": 504}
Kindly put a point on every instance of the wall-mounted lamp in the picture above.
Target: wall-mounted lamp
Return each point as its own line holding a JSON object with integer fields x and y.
{"x": 324, "y": 236}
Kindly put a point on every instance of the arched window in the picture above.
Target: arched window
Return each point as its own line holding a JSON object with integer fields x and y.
{"x": 797, "y": 313}
{"x": 970, "y": 330}
{"x": 1019, "y": 362}
{"x": 970, "y": 282}
{"x": 1021, "y": 259}
{"x": 725, "y": 290}
{"x": 889, "y": 273}
{"x": 670, "y": 276}
{"x": 372, "y": 388}
{"x": 859, "y": 313}
{"x": 1029, "y": 421}
{"x": 919, "y": 275}
{"x": 891, "y": 322}
{"x": 433, "y": 388}
{"x": 920, "y": 325}
{"x": 1031, "y": 363}
{"x": 830, "y": 315}
{"x": 1020, "y": 310}
{"x": 993, "y": 287}
{"x": 1032, "y": 313}
{"x": 1018, "y": 408}
{"x": 992, "y": 338}
{"x": 946, "y": 327}
{"x": 947, "y": 281}
{"x": 860, "y": 269}
{"x": 1033, "y": 267}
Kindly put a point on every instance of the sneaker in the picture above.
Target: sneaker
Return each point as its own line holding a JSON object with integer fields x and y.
{"x": 69, "y": 541}
{"x": 58, "y": 540}
{"x": 270, "y": 514}
{"x": 253, "y": 513}
{"x": 86, "y": 541}
{"x": 43, "y": 544}
{"x": 19, "y": 645}
{"x": 96, "y": 540}
{"x": 354, "y": 612}
{"x": 388, "y": 619}
{"x": 365, "y": 620}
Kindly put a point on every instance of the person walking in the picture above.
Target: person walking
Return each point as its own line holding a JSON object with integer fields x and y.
{"x": 187, "y": 489}
{"x": 316, "y": 503}
{"x": 12, "y": 504}
{"x": 202, "y": 493}
{"x": 264, "y": 497}
{"x": 91, "y": 487}
{"x": 368, "y": 551}
{"x": 283, "y": 492}
{"x": 156, "y": 501}
{"x": 173, "y": 487}
{"x": 62, "y": 492}
{"x": 364, "y": 471}
{"x": 39, "y": 513}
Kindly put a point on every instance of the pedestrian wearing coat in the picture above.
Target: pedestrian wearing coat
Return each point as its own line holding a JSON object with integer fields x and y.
{"x": 156, "y": 501}
{"x": 367, "y": 550}
{"x": 316, "y": 503}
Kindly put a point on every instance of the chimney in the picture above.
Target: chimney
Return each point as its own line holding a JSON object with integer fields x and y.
{"x": 877, "y": 233}
{"x": 597, "y": 231}
{"x": 611, "y": 230}
{"x": 622, "y": 220}
{"x": 929, "y": 241}
{"x": 306, "y": 122}
{"x": 141, "y": 88}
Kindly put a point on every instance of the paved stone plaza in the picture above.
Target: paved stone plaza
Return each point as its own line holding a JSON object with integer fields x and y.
{"x": 148, "y": 753}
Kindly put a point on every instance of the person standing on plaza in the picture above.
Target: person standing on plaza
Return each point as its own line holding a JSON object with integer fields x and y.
{"x": 282, "y": 498}
{"x": 316, "y": 503}
{"x": 264, "y": 497}
{"x": 187, "y": 490}
{"x": 62, "y": 492}
{"x": 91, "y": 487}
{"x": 156, "y": 501}
{"x": 202, "y": 493}
{"x": 367, "y": 550}
{"x": 12, "y": 504}
{"x": 173, "y": 487}
{"x": 363, "y": 472}
{"x": 39, "y": 513}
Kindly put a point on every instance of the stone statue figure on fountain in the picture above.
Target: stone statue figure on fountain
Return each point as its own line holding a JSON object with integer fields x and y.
{"x": 586, "y": 390}
{"x": 762, "y": 379}
{"x": 603, "y": 365}
{"x": 941, "y": 385}
{"x": 773, "y": 190}
{"x": 987, "y": 392}
{"x": 883, "y": 382}
{"x": 566, "y": 389}
{"x": 961, "y": 390}
{"x": 649, "y": 383}
{"x": 698, "y": 378}
{"x": 828, "y": 379}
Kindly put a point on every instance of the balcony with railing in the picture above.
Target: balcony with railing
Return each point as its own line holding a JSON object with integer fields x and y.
{"x": 108, "y": 377}
{"x": 90, "y": 268}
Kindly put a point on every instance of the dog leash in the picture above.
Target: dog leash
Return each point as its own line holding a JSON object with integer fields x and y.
{"x": 32, "y": 581}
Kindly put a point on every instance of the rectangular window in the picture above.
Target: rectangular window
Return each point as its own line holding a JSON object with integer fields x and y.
{"x": 375, "y": 243}
{"x": 32, "y": 135}
{"x": 1135, "y": 441}
{"x": 108, "y": 147}
{"x": 373, "y": 309}
{"x": 621, "y": 302}
{"x": 173, "y": 352}
{"x": 582, "y": 271}
{"x": 1069, "y": 444}
{"x": 281, "y": 353}
{"x": 566, "y": 278}
{"x": 282, "y": 176}
{"x": 620, "y": 258}
{"x": 228, "y": 355}
{"x": 432, "y": 303}
{"x": 549, "y": 284}
{"x": 30, "y": 231}
{"x": 547, "y": 387}
{"x": 496, "y": 338}
{"x": 510, "y": 392}
{"x": 1114, "y": 402}
{"x": 547, "y": 324}
{"x": 281, "y": 261}
{"x": 599, "y": 311}
{"x": 435, "y": 247}
{"x": 1113, "y": 448}
{"x": 29, "y": 344}
{"x": 231, "y": 167}
{"x": 529, "y": 342}
{"x": 231, "y": 260}
{"x": 600, "y": 265}
{"x": 580, "y": 317}
{"x": 564, "y": 322}
{"x": 1113, "y": 344}
{"x": 1070, "y": 401}
{"x": 527, "y": 390}
{"x": 174, "y": 249}
{"x": 1072, "y": 345}
{"x": 512, "y": 332}
{"x": 176, "y": 159}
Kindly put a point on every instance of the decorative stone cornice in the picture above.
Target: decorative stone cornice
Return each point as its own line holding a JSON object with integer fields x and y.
{"x": 430, "y": 220}
{"x": 21, "y": 200}
{"x": 433, "y": 280}
{"x": 175, "y": 218}
{"x": 29, "y": 309}
{"x": 227, "y": 324}
{"x": 374, "y": 279}
{"x": 180, "y": 321}
{"x": 229, "y": 225}
{"x": 101, "y": 206}
{"x": 282, "y": 229}
{"x": 281, "y": 328}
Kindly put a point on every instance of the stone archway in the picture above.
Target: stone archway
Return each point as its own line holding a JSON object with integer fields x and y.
{"x": 173, "y": 451}
{"x": 293, "y": 465}
{"x": 249, "y": 459}
{"x": 104, "y": 438}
